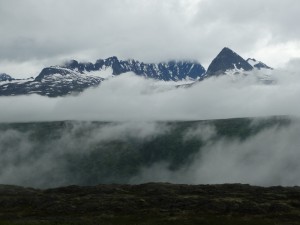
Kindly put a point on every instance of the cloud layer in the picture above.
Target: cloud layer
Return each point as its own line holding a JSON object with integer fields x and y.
{"x": 267, "y": 158}
{"x": 132, "y": 98}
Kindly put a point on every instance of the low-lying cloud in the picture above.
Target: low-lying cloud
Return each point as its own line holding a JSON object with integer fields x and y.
{"x": 131, "y": 98}
{"x": 55, "y": 154}
{"x": 85, "y": 153}
{"x": 268, "y": 158}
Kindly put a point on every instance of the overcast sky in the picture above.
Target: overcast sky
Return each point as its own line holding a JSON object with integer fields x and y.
{"x": 37, "y": 33}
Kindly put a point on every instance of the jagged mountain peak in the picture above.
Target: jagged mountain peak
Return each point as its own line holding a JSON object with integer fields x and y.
{"x": 171, "y": 70}
{"x": 112, "y": 58}
{"x": 51, "y": 71}
{"x": 226, "y": 60}
{"x": 74, "y": 76}
{"x": 78, "y": 66}
{"x": 5, "y": 77}
{"x": 71, "y": 63}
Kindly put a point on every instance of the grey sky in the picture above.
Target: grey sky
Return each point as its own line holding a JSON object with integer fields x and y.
{"x": 37, "y": 33}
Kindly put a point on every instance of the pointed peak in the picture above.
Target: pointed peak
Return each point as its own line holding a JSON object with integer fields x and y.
{"x": 113, "y": 58}
{"x": 226, "y": 60}
{"x": 227, "y": 51}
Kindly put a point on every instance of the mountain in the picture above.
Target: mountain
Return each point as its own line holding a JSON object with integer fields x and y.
{"x": 172, "y": 70}
{"x": 258, "y": 64}
{"x": 52, "y": 82}
{"x": 75, "y": 77}
{"x": 227, "y": 60}
{"x": 5, "y": 77}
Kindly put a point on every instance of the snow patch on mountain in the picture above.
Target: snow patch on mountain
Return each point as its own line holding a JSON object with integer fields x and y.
{"x": 104, "y": 73}
{"x": 258, "y": 64}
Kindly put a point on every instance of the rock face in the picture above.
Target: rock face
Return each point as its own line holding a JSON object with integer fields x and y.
{"x": 258, "y": 64}
{"x": 51, "y": 82}
{"x": 74, "y": 76}
{"x": 227, "y": 60}
{"x": 5, "y": 77}
{"x": 152, "y": 203}
{"x": 173, "y": 70}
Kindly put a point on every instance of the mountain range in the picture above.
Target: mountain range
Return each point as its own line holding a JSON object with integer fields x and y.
{"x": 75, "y": 77}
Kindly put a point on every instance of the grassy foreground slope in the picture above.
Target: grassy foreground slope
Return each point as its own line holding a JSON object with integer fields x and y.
{"x": 152, "y": 203}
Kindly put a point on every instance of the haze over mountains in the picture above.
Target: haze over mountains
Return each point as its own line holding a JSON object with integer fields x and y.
{"x": 74, "y": 76}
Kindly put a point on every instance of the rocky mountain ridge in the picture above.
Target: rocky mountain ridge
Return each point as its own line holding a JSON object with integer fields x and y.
{"x": 75, "y": 77}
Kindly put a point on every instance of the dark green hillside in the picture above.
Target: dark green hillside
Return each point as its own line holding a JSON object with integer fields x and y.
{"x": 49, "y": 154}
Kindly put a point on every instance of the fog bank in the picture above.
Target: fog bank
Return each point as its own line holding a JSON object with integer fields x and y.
{"x": 132, "y": 98}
